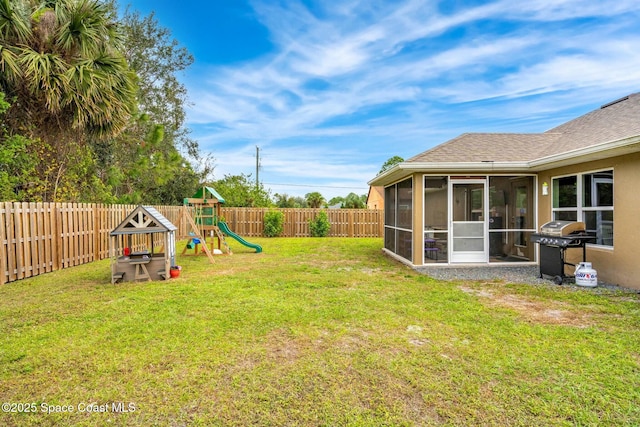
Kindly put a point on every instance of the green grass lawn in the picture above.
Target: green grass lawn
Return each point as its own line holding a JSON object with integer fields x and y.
{"x": 321, "y": 331}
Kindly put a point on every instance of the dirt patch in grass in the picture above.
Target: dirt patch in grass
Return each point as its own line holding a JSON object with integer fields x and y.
{"x": 353, "y": 341}
{"x": 282, "y": 348}
{"x": 546, "y": 312}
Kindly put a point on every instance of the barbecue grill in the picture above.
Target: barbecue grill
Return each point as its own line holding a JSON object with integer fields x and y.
{"x": 555, "y": 238}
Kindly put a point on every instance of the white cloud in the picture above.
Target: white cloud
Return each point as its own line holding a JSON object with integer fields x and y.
{"x": 396, "y": 72}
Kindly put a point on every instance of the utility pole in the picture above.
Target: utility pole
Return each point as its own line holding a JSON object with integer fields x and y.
{"x": 257, "y": 167}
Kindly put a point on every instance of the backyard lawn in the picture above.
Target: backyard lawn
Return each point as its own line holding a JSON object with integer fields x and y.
{"x": 318, "y": 332}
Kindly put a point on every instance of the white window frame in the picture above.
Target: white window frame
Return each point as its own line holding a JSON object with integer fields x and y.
{"x": 580, "y": 194}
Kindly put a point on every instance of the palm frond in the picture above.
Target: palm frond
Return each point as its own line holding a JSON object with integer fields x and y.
{"x": 102, "y": 94}
{"x": 43, "y": 76}
{"x": 9, "y": 65}
{"x": 70, "y": 67}
{"x": 14, "y": 21}
{"x": 85, "y": 26}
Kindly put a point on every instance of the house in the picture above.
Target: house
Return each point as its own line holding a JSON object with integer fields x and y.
{"x": 375, "y": 198}
{"x": 477, "y": 198}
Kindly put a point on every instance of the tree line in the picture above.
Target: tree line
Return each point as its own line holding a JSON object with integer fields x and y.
{"x": 91, "y": 108}
{"x": 243, "y": 191}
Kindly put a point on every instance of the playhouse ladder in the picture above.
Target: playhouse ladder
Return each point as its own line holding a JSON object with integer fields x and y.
{"x": 220, "y": 235}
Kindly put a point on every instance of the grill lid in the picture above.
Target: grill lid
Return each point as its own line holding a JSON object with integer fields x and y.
{"x": 562, "y": 228}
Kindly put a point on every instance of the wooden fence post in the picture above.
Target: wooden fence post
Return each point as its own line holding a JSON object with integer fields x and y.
{"x": 46, "y": 237}
{"x": 37, "y": 245}
{"x": 11, "y": 239}
{"x": 4, "y": 245}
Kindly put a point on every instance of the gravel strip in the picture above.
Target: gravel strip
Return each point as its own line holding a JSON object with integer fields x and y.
{"x": 520, "y": 274}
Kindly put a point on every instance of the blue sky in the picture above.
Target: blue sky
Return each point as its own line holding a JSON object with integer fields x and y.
{"x": 329, "y": 90}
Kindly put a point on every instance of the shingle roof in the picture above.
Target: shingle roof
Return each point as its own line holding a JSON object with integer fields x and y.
{"x": 612, "y": 122}
{"x": 615, "y": 121}
{"x": 496, "y": 147}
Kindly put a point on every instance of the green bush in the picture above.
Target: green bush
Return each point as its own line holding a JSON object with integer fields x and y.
{"x": 273, "y": 223}
{"x": 319, "y": 226}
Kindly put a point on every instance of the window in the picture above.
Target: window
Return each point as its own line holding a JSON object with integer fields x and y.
{"x": 598, "y": 206}
{"x": 398, "y": 210}
{"x": 436, "y": 211}
{"x": 565, "y": 198}
{"x": 588, "y": 198}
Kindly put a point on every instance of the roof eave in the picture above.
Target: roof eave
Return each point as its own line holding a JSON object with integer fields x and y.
{"x": 607, "y": 149}
{"x": 402, "y": 170}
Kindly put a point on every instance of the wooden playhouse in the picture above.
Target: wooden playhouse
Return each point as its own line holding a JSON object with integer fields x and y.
{"x": 142, "y": 247}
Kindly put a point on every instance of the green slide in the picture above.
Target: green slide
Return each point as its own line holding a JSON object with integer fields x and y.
{"x": 225, "y": 229}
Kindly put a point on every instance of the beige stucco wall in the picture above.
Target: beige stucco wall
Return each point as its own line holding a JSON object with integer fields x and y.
{"x": 375, "y": 198}
{"x": 418, "y": 206}
{"x": 620, "y": 265}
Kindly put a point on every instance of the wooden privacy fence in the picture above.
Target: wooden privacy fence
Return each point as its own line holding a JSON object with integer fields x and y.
{"x": 37, "y": 238}
{"x": 344, "y": 222}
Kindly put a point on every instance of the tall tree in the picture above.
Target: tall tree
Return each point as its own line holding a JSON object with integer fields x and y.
{"x": 391, "y": 162}
{"x": 63, "y": 62}
{"x": 149, "y": 162}
{"x": 63, "y": 68}
{"x": 284, "y": 200}
{"x": 338, "y": 200}
{"x": 157, "y": 59}
{"x": 241, "y": 191}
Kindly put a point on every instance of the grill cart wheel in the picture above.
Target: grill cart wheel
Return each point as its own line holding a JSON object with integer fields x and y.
{"x": 557, "y": 280}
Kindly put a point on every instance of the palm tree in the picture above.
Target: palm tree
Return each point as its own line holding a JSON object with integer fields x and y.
{"x": 314, "y": 200}
{"x": 62, "y": 63}
{"x": 63, "y": 70}
{"x": 353, "y": 201}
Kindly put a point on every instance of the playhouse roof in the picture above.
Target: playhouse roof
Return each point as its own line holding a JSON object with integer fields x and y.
{"x": 208, "y": 193}
{"x": 144, "y": 219}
